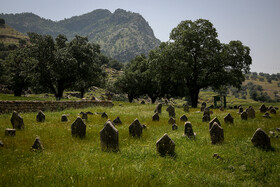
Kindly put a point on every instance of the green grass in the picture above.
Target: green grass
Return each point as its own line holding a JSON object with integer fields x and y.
{"x": 68, "y": 161}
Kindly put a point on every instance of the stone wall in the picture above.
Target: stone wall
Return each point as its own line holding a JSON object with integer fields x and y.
{"x": 35, "y": 106}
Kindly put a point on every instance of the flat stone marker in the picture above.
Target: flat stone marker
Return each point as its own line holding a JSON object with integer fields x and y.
{"x": 165, "y": 146}
{"x": 171, "y": 121}
{"x": 104, "y": 115}
{"x": 216, "y": 133}
{"x": 37, "y": 144}
{"x": 244, "y": 115}
{"x": 158, "y": 108}
{"x": 213, "y": 121}
{"x": 206, "y": 118}
{"x": 189, "y": 130}
{"x": 117, "y": 121}
{"x": 228, "y": 118}
{"x": 10, "y": 132}
{"x": 263, "y": 108}
{"x": 261, "y": 139}
{"x": 109, "y": 137}
{"x": 184, "y": 118}
{"x": 251, "y": 113}
{"x": 266, "y": 115}
{"x": 64, "y": 118}
{"x": 155, "y": 117}
{"x": 135, "y": 129}
{"x": 174, "y": 127}
{"x": 171, "y": 111}
{"x": 17, "y": 121}
{"x": 78, "y": 128}
{"x": 40, "y": 117}
{"x": 272, "y": 111}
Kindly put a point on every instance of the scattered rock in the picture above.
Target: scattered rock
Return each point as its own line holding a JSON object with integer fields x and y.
{"x": 40, "y": 117}
{"x": 10, "y": 132}
{"x": 165, "y": 146}
{"x": 215, "y": 155}
{"x": 261, "y": 139}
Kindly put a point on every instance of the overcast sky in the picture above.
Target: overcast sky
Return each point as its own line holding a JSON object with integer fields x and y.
{"x": 254, "y": 22}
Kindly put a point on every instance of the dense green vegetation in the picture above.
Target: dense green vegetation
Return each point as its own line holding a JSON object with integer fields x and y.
{"x": 122, "y": 35}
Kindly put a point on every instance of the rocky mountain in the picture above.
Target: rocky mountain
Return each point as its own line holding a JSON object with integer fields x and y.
{"x": 122, "y": 35}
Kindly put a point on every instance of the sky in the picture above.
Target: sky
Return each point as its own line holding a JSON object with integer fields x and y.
{"x": 256, "y": 23}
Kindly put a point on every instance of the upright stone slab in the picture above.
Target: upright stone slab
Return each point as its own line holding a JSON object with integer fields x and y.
{"x": 216, "y": 133}
{"x": 64, "y": 118}
{"x": 269, "y": 108}
{"x": 244, "y": 115}
{"x": 251, "y": 113}
{"x": 117, "y": 121}
{"x": 206, "y": 111}
{"x": 10, "y": 132}
{"x": 89, "y": 113}
{"x": 104, "y": 115}
{"x": 171, "y": 110}
{"x": 189, "y": 130}
{"x": 184, "y": 118}
{"x": 40, "y": 117}
{"x": 174, "y": 127}
{"x": 263, "y": 108}
{"x": 272, "y": 111}
{"x": 203, "y": 104}
{"x": 266, "y": 115}
{"x": 135, "y": 129}
{"x": 109, "y": 137}
{"x": 261, "y": 139}
{"x": 37, "y": 144}
{"x": 155, "y": 117}
{"x": 206, "y": 118}
{"x": 78, "y": 128}
{"x": 228, "y": 118}
{"x": 84, "y": 115}
{"x": 213, "y": 121}
{"x": 186, "y": 107}
{"x": 222, "y": 108}
{"x": 158, "y": 108}
{"x": 171, "y": 121}
{"x": 17, "y": 121}
{"x": 240, "y": 110}
{"x": 165, "y": 146}
{"x": 1, "y": 144}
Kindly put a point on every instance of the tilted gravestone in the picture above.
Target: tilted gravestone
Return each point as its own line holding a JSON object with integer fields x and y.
{"x": 206, "y": 118}
{"x": 10, "y": 132}
{"x": 186, "y": 107}
{"x": 189, "y": 130}
{"x": 171, "y": 121}
{"x": 117, "y": 121}
{"x": 104, "y": 115}
{"x": 266, "y": 115}
{"x": 17, "y": 121}
{"x": 251, "y": 113}
{"x": 216, "y": 133}
{"x": 228, "y": 118}
{"x": 213, "y": 121}
{"x": 171, "y": 110}
{"x": 135, "y": 129}
{"x": 37, "y": 144}
{"x": 165, "y": 146}
{"x": 40, "y": 117}
{"x": 263, "y": 108}
{"x": 244, "y": 115}
{"x": 64, "y": 118}
{"x": 261, "y": 139}
{"x": 184, "y": 118}
{"x": 155, "y": 117}
{"x": 78, "y": 128}
{"x": 158, "y": 108}
{"x": 240, "y": 110}
{"x": 109, "y": 137}
{"x": 174, "y": 127}
{"x": 272, "y": 111}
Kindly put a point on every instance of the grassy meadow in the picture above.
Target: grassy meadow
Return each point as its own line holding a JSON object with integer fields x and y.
{"x": 68, "y": 161}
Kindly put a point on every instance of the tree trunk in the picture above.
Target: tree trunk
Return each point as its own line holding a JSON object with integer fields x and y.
{"x": 59, "y": 93}
{"x": 130, "y": 98}
{"x": 153, "y": 99}
{"x": 82, "y": 91}
{"x": 194, "y": 97}
{"x": 18, "y": 91}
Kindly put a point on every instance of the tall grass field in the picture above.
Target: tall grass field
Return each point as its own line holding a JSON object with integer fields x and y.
{"x": 69, "y": 161}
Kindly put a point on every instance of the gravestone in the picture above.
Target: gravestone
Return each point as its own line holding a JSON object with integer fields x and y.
{"x": 174, "y": 127}
{"x": 251, "y": 113}
{"x": 1, "y": 144}
{"x": 17, "y": 121}
{"x": 37, "y": 144}
{"x": 171, "y": 110}
{"x": 263, "y": 108}
{"x": 184, "y": 118}
{"x": 117, "y": 121}
{"x": 109, "y": 137}
{"x": 272, "y": 111}
{"x": 222, "y": 108}
{"x": 78, "y": 128}
{"x": 158, "y": 108}
{"x": 228, "y": 118}
{"x": 186, "y": 107}
{"x": 216, "y": 133}
{"x": 89, "y": 113}
{"x": 213, "y": 121}
{"x": 165, "y": 146}
{"x": 142, "y": 102}
{"x": 235, "y": 107}
{"x": 104, "y": 115}
{"x": 261, "y": 139}
{"x": 266, "y": 115}
{"x": 144, "y": 126}
{"x": 135, "y": 129}
{"x": 240, "y": 110}
{"x": 203, "y": 104}
{"x": 206, "y": 111}
{"x": 64, "y": 118}
{"x": 40, "y": 117}
{"x": 189, "y": 130}
{"x": 155, "y": 117}
{"x": 206, "y": 118}
{"x": 269, "y": 108}
{"x": 10, "y": 132}
{"x": 84, "y": 115}
{"x": 244, "y": 115}
{"x": 171, "y": 121}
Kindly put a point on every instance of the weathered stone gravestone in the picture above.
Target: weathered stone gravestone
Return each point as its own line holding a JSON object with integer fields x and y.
{"x": 64, "y": 118}
{"x": 17, "y": 121}
{"x": 189, "y": 130}
{"x": 216, "y": 133}
{"x": 222, "y": 108}
{"x": 84, "y": 115}
{"x": 263, "y": 108}
{"x": 171, "y": 121}
{"x": 135, "y": 129}
{"x": 206, "y": 111}
{"x": 10, "y": 132}
{"x": 117, "y": 121}
{"x": 228, "y": 118}
{"x": 261, "y": 139}
{"x": 235, "y": 107}
{"x": 184, "y": 118}
{"x": 144, "y": 126}
{"x": 104, "y": 115}
{"x": 155, "y": 117}
{"x": 143, "y": 102}
{"x": 244, "y": 115}
{"x": 165, "y": 146}
{"x": 171, "y": 111}
{"x": 266, "y": 115}
{"x": 272, "y": 111}
{"x": 109, "y": 137}
{"x": 251, "y": 113}
{"x": 174, "y": 127}
{"x": 78, "y": 128}
{"x": 37, "y": 144}
{"x": 213, "y": 121}
{"x": 186, "y": 107}
{"x": 206, "y": 118}
{"x": 158, "y": 108}
{"x": 240, "y": 110}
{"x": 89, "y": 113}
{"x": 203, "y": 104}
{"x": 40, "y": 117}
{"x": 269, "y": 108}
